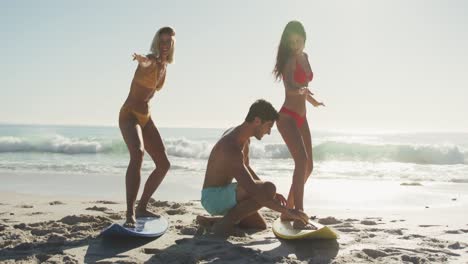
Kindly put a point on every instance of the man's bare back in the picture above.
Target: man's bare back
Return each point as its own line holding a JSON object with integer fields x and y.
{"x": 219, "y": 170}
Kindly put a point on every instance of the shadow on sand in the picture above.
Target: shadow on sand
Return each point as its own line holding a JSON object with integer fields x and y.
{"x": 315, "y": 251}
{"x": 40, "y": 251}
{"x": 113, "y": 247}
{"x": 216, "y": 250}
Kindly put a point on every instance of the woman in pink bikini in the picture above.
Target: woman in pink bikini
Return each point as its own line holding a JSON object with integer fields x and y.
{"x": 292, "y": 66}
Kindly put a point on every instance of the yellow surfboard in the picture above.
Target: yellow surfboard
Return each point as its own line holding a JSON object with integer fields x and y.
{"x": 285, "y": 230}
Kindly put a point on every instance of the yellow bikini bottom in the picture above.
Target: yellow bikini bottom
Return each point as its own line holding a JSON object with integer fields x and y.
{"x": 142, "y": 119}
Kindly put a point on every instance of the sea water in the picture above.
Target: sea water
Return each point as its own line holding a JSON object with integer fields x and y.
{"x": 77, "y": 154}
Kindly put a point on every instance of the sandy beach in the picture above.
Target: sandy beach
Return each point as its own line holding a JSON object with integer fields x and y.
{"x": 363, "y": 101}
{"x": 430, "y": 229}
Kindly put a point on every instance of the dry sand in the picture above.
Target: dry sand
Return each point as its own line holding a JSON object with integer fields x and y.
{"x": 39, "y": 229}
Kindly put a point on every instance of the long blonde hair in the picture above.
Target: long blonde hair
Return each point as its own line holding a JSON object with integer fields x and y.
{"x": 154, "y": 49}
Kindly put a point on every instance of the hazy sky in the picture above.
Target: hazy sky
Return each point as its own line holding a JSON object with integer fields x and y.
{"x": 378, "y": 65}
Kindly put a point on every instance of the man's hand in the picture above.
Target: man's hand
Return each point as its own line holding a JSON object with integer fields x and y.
{"x": 280, "y": 199}
{"x": 299, "y": 215}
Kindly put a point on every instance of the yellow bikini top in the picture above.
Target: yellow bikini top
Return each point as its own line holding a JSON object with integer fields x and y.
{"x": 150, "y": 76}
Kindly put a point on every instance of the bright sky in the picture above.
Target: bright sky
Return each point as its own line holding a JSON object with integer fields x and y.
{"x": 378, "y": 65}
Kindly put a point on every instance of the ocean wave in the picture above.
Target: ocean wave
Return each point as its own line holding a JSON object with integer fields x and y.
{"x": 197, "y": 149}
{"x": 180, "y": 147}
{"x": 54, "y": 144}
{"x": 419, "y": 154}
{"x": 184, "y": 148}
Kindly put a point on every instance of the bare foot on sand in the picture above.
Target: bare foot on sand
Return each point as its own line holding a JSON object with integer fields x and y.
{"x": 145, "y": 213}
{"x": 207, "y": 221}
{"x": 300, "y": 225}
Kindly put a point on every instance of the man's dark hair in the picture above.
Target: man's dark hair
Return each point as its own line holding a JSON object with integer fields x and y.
{"x": 263, "y": 110}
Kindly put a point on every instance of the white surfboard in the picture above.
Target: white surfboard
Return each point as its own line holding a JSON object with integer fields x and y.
{"x": 145, "y": 227}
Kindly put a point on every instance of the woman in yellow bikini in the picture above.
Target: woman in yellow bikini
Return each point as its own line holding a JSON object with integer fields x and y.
{"x": 137, "y": 127}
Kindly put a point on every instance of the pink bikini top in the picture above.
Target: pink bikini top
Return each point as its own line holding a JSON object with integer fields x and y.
{"x": 300, "y": 75}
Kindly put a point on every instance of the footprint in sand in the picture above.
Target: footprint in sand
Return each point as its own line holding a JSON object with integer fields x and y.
{"x": 344, "y": 225}
{"x": 374, "y": 218}
{"x": 178, "y": 211}
{"x": 155, "y": 203}
{"x": 56, "y": 203}
{"x": 368, "y": 222}
{"x": 73, "y": 229}
{"x": 105, "y": 202}
{"x": 21, "y": 226}
{"x": 3, "y": 227}
{"x": 435, "y": 243}
{"x": 348, "y": 230}
{"x": 457, "y": 245}
{"x": 56, "y": 239}
{"x": 100, "y": 209}
{"x": 414, "y": 259}
{"x": 412, "y": 236}
{"x": 421, "y": 255}
{"x": 394, "y": 231}
{"x": 329, "y": 221}
{"x": 374, "y": 253}
{"x": 76, "y": 219}
{"x": 454, "y": 232}
{"x": 26, "y": 206}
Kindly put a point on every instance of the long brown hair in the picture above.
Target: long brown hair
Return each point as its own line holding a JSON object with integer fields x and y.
{"x": 284, "y": 51}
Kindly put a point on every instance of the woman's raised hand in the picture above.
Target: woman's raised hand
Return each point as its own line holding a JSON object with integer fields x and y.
{"x": 142, "y": 60}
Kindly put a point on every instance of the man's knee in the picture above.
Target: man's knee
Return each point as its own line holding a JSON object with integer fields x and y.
{"x": 269, "y": 189}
